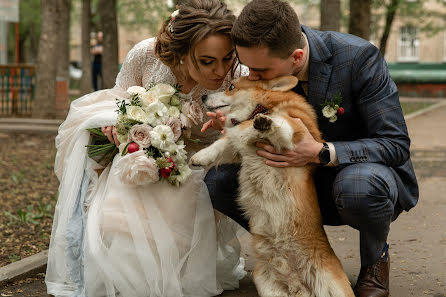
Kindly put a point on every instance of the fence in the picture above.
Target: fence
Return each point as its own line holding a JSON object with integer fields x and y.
{"x": 17, "y": 84}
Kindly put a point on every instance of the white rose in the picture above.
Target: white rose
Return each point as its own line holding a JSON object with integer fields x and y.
{"x": 179, "y": 155}
{"x": 162, "y": 137}
{"x": 328, "y": 111}
{"x": 147, "y": 98}
{"x": 135, "y": 90}
{"x": 163, "y": 92}
{"x": 136, "y": 113}
{"x": 137, "y": 169}
{"x": 140, "y": 135}
{"x": 157, "y": 113}
{"x": 174, "y": 112}
{"x": 333, "y": 119}
{"x": 181, "y": 178}
{"x": 123, "y": 138}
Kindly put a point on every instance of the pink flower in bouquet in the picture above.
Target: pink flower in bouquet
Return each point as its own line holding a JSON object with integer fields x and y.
{"x": 191, "y": 114}
{"x": 137, "y": 169}
{"x": 175, "y": 124}
{"x": 165, "y": 172}
{"x": 132, "y": 147}
{"x": 140, "y": 135}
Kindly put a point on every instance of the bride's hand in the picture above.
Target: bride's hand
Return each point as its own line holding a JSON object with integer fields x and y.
{"x": 216, "y": 122}
{"x": 110, "y": 132}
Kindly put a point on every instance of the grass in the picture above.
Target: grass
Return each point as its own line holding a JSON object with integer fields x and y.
{"x": 413, "y": 106}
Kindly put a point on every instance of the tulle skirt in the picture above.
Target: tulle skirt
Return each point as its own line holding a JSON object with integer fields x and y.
{"x": 112, "y": 239}
{"x": 157, "y": 240}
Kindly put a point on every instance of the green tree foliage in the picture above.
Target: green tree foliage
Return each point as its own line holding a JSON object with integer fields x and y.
{"x": 409, "y": 13}
{"x": 148, "y": 13}
{"x": 29, "y": 16}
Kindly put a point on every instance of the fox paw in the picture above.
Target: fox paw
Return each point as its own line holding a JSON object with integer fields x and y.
{"x": 262, "y": 123}
{"x": 202, "y": 158}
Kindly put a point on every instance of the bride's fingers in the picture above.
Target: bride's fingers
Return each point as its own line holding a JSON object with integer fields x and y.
{"x": 115, "y": 136}
{"x": 211, "y": 114}
{"x": 108, "y": 133}
{"x": 206, "y": 125}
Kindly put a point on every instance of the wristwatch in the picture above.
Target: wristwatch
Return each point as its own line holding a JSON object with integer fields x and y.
{"x": 324, "y": 154}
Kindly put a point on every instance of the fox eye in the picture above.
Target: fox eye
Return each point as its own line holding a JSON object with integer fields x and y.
{"x": 231, "y": 87}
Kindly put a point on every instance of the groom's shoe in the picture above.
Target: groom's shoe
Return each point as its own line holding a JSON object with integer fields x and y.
{"x": 373, "y": 280}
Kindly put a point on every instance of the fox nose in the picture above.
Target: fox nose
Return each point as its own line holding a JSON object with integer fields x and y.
{"x": 204, "y": 98}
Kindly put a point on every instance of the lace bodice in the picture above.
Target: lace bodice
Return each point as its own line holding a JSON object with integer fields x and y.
{"x": 142, "y": 68}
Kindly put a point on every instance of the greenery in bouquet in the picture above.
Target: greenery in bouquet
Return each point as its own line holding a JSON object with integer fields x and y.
{"x": 150, "y": 127}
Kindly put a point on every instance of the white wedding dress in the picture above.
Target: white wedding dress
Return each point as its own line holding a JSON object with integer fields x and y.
{"x": 112, "y": 239}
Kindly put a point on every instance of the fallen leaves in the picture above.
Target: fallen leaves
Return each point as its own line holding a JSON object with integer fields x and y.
{"x": 28, "y": 190}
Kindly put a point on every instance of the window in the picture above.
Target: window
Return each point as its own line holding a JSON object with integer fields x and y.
{"x": 408, "y": 44}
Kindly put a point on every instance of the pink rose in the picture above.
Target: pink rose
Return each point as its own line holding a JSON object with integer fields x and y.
{"x": 191, "y": 112}
{"x": 137, "y": 169}
{"x": 175, "y": 125}
{"x": 140, "y": 135}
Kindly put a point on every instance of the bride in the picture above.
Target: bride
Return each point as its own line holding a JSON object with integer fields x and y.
{"x": 112, "y": 239}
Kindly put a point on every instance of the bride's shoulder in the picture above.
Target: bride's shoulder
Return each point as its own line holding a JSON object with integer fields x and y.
{"x": 147, "y": 44}
{"x": 144, "y": 49}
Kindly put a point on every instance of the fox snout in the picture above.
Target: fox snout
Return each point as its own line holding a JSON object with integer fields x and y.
{"x": 262, "y": 123}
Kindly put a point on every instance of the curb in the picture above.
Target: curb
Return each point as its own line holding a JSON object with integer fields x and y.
{"x": 24, "y": 268}
{"x": 424, "y": 110}
{"x": 29, "y": 125}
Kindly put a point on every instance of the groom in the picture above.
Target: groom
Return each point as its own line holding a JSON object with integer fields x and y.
{"x": 365, "y": 178}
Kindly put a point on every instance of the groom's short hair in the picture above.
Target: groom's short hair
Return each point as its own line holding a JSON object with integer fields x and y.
{"x": 268, "y": 23}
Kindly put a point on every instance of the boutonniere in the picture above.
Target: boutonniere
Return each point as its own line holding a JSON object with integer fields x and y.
{"x": 331, "y": 109}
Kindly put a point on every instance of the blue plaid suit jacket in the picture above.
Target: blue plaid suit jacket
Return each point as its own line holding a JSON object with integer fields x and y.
{"x": 373, "y": 128}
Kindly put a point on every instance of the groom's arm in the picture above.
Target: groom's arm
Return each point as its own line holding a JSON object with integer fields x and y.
{"x": 386, "y": 140}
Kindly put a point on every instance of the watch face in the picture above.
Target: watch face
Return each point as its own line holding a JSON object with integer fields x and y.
{"x": 324, "y": 155}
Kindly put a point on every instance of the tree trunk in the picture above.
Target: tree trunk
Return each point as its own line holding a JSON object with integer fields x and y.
{"x": 86, "y": 84}
{"x": 44, "y": 101}
{"x": 64, "y": 41}
{"x": 390, "y": 15}
{"x": 110, "y": 59}
{"x": 330, "y": 15}
{"x": 360, "y": 18}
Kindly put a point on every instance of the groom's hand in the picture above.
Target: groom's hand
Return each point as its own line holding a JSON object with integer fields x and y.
{"x": 216, "y": 122}
{"x": 306, "y": 151}
{"x": 112, "y": 135}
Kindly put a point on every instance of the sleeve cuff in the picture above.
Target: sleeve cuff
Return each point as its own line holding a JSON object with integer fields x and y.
{"x": 333, "y": 156}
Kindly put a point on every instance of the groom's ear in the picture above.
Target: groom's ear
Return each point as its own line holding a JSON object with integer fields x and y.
{"x": 297, "y": 57}
{"x": 281, "y": 84}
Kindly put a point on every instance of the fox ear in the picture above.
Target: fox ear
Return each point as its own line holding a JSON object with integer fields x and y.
{"x": 281, "y": 84}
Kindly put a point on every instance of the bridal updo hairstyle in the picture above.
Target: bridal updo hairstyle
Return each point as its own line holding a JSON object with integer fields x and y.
{"x": 197, "y": 20}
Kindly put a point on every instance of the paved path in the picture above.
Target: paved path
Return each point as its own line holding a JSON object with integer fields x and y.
{"x": 417, "y": 239}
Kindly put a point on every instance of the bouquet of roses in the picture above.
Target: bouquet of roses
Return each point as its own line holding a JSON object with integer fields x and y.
{"x": 150, "y": 127}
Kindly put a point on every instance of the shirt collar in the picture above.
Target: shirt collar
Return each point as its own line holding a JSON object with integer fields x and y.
{"x": 304, "y": 73}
